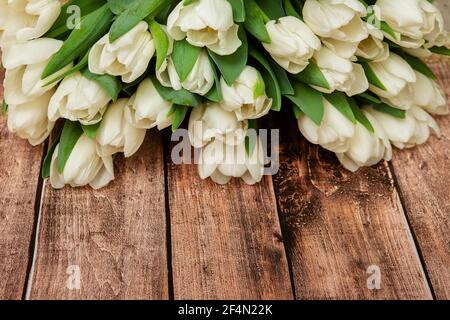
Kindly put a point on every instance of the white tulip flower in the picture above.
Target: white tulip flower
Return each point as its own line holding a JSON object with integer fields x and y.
{"x": 334, "y": 133}
{"x": 116, "y": 134}
{"x": 373, "y": 48}
{"x": 338, "y": 23}
{"x": 246, "y": 97}
{"x": 396, "y": 75}
{"x": 29, "y": 120}
{"x": 200, "y": 80}
{"x": 205, "y": 23}
{"x": 428, "y": 95}
{"x": 413, "y": 21}
{"x": 147, "y": 109}
{"x": 341, "y": 74}
{"x": 79, "y": 99}
{"x": 211, "y": 121}
{"x": 293, "y": 43}
{"x": 413, "y": 130}
{"x": 366, "y": 148}
{"x": 221, "y": 162}
{"x": 22, "y": 20}
{"x": 25, "y": 63}
{"x": 83, "y": 167}
{"x": 128, "y": 56}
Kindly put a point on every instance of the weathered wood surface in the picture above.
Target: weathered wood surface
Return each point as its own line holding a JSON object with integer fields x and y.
{"x": 338, "y": 224}
{"x": 226, "y": 240}
{"x": 115, "y": 237}
{"x": 19, "y": 179}
{"x": 423, "y": 176}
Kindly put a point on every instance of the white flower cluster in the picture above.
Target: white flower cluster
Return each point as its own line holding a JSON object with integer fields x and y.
{"x": 228, "y": 67}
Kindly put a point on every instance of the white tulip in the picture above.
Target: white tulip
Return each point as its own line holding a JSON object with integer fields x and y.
{"x": 396, "y": 75}
{"x": 404, "y": 133}
{"x": 341, "y": 74}
{"x": 212, "y": 122}
{"x": 79, "y": 99}
{"x": 25, "y": 63}
{"x": 334, "y": 133}
{"x": 29, "y": 120}
{"x": 128, "y": 56}
{"x": 205, "y": 23}
{"x": 221, "y": 162}
{"x": 200, "y": 80}
{"x": 373, "y": 48}
{"x": 413, "y": 21}
{"x": 338, "y": 22}
{"x": 83, "y": 167}
{"x": 246, "y": 97}
{"x": 428, "y": 95}
{"x": 22, "y": 20}
{"x": 293, "y": 43}
{"x": 116, "y": 134}
{"x": 366, "y": 148}
{"x": 147, "y": 109}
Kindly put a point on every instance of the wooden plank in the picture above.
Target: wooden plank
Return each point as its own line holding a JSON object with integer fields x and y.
{"x": 226, "y": 240}
{"x": 115, "y": 238}
{"x": 424, "y": 179}
{"x": 338, "y": 224}
{"x": 19, "y": 176}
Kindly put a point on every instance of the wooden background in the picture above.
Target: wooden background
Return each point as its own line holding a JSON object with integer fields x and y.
{"x": 159, "y": 232}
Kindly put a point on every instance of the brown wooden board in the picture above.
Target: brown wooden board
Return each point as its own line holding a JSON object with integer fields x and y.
{"x": 19, "y": 179}
{"x": 226, "y": 240}
{"x": 338, "y": 224}
{"x": 423, "y": 175}
{"x": 114, "y": 238}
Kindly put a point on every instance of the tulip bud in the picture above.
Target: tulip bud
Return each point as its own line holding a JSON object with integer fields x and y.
{"x": 200, "y": 80}
{"x": 338, "y": 22}
{"x": 29, "y": 120}
{"x": 25, "y": 63}
{"x": 79, "y": 99}
{"x": 83, "y": 167}
{"x": 116, "y": 134}
{"x": 373, "y": 48}
{"x": 404, "y": 133}
{"x": 205, "y": 23}
{"x": 413, "y": 22}
{"x": 147, "y": 109}
{"x": 341, "y": 74}
{"x": 366, "y": 148}
{"x": 293, "y": 43}
{"x": 127, "y": 57}
{"x": 247, "y": 96}
{"x": 428, "y": 95}
{"x": 212, "y": 122}
{"x": 334, "y": 132}
{"x": 221, "y": 162}
{"x": 23, "y": 20}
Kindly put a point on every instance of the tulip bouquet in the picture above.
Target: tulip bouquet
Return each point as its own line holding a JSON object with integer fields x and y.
{"x": 350, "y": 70}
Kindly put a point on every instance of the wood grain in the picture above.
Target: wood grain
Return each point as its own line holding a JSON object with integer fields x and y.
{"x": 19, "y": 176}
{"x": 338, "y": 224}
{"x": 116, "y": 236}
{"x": 226, "y": 240}
{"x": 424, "y": 178}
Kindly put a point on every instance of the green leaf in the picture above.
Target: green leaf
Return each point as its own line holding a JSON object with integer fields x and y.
{"x": 273, "y": 8}
{"x": 369, "y": 97}
{"x": 119, "y": 6}
{"x": 290, "y": 10}
{"x": 310, "y": 101}
{"x": 184, "y": 57}
{"x": 45, "y": 172}
{"x": 313, "y": 75}
{"x": 215, "y": 94}
{"x": 441, "y": 50}
{"x": 179, "y": 114}
{"x": 250, "y": 139}
{"x": 71, "y": 132}
{"x": 297, "y": 111}
{"x": 282, "y": 77}
{"x": 371, "y": 76}
{"x": 161, "y": 41}
{"x": 91, "y": 131}
{"x": 137, "y": 11}
{"x": 359, "y": 116}
{"x": 178, "y": 97}
{"x": 110, "y": 84}
{"x": 93, "y": 27}
{"x": 272, "y": 87}
{"x": 255, "y": 21}
{"x": 4, "y": 106}
{"x": 231, "y": 66}
{"x": 419, "y": 65}
{"x": 339, "y": 101}
{"x": 83, "y": 63}
{"x": 390, "y": 110}
{"x": 238, "y": 10}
